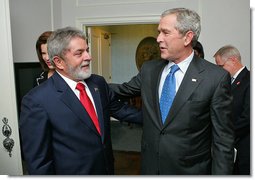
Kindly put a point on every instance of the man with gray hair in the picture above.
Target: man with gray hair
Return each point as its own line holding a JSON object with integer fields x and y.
{"x": 229, "y": 58}
{"x": 187, "y": 127}
{"x": 65, "y": 122}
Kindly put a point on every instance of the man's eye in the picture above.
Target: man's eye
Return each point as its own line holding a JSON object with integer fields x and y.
{"x": 78, "y": 54}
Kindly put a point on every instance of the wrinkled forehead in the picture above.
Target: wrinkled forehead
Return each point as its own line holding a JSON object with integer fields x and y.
{"x": 76, "y": 44}
{"x": 168, "y": 21}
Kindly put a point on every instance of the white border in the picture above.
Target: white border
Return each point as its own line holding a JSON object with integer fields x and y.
{"x": 87, "y": 3}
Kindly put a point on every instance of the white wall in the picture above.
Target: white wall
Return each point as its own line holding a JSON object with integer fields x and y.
{"x": 223, "y": 21}
{"x": 226, "y": 22}
{"x": 29, "y": 18}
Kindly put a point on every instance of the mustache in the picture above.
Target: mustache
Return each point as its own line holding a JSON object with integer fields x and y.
{"x": 85, "y": 63}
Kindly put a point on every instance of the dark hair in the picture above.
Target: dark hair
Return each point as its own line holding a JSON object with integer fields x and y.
{"x": 42, "y": 40}
{"x": 199, "y": 48}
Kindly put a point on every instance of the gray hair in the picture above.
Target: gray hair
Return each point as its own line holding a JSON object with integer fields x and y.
{"x": 58, "y": 42}
{"x": 228, "y": 51}
{"x": 187, "y": 20}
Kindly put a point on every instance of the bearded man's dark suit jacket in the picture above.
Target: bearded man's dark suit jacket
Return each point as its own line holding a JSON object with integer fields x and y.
{"x": 198, "y": 135}
{"x": 241, "y": 95}
{"x": 58, "y": 136}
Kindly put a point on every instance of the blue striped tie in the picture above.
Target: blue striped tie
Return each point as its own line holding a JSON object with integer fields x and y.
{"x": 168, "y": 93}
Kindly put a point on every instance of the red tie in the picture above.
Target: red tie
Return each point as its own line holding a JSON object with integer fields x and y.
{"x": 86, "y": 102}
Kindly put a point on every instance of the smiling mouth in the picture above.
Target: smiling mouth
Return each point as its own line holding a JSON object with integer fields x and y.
{"x": 85, "y": 65}
{"x": 48, "y": 62}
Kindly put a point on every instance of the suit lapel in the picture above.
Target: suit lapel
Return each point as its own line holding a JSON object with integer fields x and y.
{"x": 239, "y": 79}
{"x": 67, "y": 96}
{"x": 156, "y": 75}
{"x": 192, "y": 78}
{"x": 97, "y": 100}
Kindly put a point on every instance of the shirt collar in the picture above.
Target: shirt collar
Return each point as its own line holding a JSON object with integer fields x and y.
{"x": 183, "y": 65}
{"x": 71, "y": 83}
{"x": 238, "y": 72}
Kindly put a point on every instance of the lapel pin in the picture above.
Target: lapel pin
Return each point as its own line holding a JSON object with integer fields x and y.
{"x": 194, "y": 80}
{"x": 238, "y": 83}
{"x": 96, "y": 89}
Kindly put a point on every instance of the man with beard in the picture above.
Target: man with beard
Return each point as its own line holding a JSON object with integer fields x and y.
{"x": 65, "y": 122}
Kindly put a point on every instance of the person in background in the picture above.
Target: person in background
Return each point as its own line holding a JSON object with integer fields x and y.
{"x": 42, "y": 53}
{"x": 195, "y": 135}
{"x": 199, "y": 50}
{"x": 65, "y": 121}
{"x": 229, "y": 58}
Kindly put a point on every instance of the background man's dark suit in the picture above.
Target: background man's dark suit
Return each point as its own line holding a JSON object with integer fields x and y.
{"x": 58, "y": 134}
{"x": 241, "y": 95}
{"x": 198, "y": 136}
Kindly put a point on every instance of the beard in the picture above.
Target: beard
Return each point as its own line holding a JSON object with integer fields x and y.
{"x": 78, "y": 73}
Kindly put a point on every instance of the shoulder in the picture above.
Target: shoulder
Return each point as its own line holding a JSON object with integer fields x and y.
{"x": 246, "y": 73}
{"x": 211, "y": 67}
{"x": 96, "y": 79}
{"x": 98, "y": 82}
{"x": 153, "y": 65}
{"x": 244, "y": 77}
{"x": 41, "y": 91}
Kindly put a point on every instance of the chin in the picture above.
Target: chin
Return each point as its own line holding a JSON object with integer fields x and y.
{"x": 86, "y": 75}
{"x": 163, "y": 57}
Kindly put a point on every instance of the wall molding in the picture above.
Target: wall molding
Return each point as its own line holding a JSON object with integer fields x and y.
{"x": 120, "y": 20}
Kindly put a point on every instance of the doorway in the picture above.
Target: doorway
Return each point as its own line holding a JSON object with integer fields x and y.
{"x": 113, "y": 49}
{"x": 99, "y": 41}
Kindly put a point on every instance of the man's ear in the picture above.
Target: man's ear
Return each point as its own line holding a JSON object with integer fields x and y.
{"x": 58, "y": 62}
{"x": 188, "y": 38}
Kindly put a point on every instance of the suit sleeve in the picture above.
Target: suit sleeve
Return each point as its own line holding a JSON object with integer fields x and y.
{"x": 222, "y": 128}
{"x": 128, "y": 89}
{"x": 122, "y": 111}
{"x": 36, "y": 137}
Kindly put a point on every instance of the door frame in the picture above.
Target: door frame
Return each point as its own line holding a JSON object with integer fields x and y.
{"x": 11, "y": 163}
{"x": 85, "y": 23}
{"x": 121, "y": 20}
{"x": 100, "y": 49}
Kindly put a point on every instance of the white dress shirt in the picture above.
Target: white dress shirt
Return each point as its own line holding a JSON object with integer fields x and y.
{"x": 178, "y": 74}
{"x": 72, "y": 84}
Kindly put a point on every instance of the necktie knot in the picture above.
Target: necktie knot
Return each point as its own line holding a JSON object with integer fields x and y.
{"x": 174, "y": 68}
{"x": 80, "y": 86}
